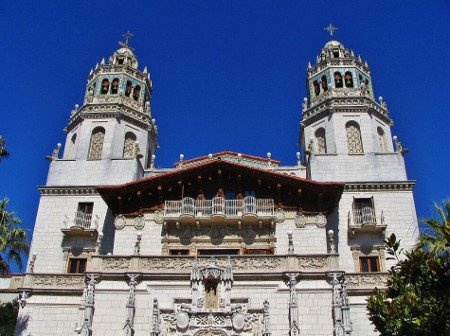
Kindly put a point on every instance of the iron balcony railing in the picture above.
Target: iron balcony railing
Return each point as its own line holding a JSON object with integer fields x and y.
{"x": 219, "y": 206}
{"x": 365, "y": 217}
{"x": 81, "y": 220}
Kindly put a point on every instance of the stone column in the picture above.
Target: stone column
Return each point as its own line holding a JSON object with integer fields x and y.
{"x": 266, "y": 319}
{"x": 294, "y": 329}
{"x": 89, "y": 307}
{"x": 347, "y": 323}
{"x": 131, "y": 307}
{"x": 341, "y": 307}
{"x": 155, "y": 327}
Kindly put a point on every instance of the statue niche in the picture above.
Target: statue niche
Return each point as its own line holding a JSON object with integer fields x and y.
{"x": 211, "y": 294}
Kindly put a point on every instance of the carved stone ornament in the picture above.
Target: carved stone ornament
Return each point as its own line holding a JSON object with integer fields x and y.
{"x": 116, "y": 264}
{"x": 182, "y": 320}
{"x": 139, "y": 223}
{"x": 312, "y": 263}
{"x": 238, "y": 321}
{"x": 61, "y": 281}
{"x": 301, "y": 220}
{"x": 120, "y": 222}
{"x": 321, "y": 220}
{"x": 280, "y": 216}
{"x": 365, "y": 280}
{"x": 159, "y": 217}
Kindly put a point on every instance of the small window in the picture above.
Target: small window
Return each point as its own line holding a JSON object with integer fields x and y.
{"x": 361, "y": 203}
{"x": 259, "y": 251}
{"x": 120, "y": 60}
{"x": 348, "y": 79}
{"x": 336, "y": 53}
{"x": 369, "y": 264}
{"x": 128, "y": 88}
{"x": 324, "y": 83}
{"x": 105, "y": 86}
{"x": 136, "y": 92}
{"x": 218, "y": 252}
{"x": 77, "y": 265}
{"x": 179, "y": 252}
{"x": 338, "y": 80}
{"x": 83, "y": 216}
{"x": 86, "y": 208}
{"x": 316, "y": 88}
{"x": 115, "y": 86}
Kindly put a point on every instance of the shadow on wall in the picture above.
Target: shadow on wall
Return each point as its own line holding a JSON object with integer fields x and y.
{"x": 21, "y": 325}
{"x": 108, "y": 234}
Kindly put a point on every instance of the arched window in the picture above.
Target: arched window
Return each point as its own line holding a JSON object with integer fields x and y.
{"x": 316, "y": 87}
{"x": 105, "y": 86}
{"x": 320, "y": 140}
{"x": 128, "y": 88}
{"x": 129, "y": 144}
{"x": 72, "y": 147}
{"x": 136, "y": 92}
{"x": 381, "y": 139}
{"x": 338, "y": 80}
{"x": 348, "y": 79}
{"x": 115, "y": 86}
{"x": 354, "y": 141}
{"x": 96, "y": 145}
{"x": 324, "y": 83}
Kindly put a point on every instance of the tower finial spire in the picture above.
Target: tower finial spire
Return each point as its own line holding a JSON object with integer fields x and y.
{"x": 126, "y": 36}
{"x": 330, "y": 29}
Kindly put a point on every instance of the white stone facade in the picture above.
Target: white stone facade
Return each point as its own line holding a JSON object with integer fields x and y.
{"x": 295, "y": 253}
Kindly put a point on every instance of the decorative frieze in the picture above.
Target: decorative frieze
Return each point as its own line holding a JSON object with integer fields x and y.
{"x": 313, "y": 263}
{"x": 184, "y": 264}
{"x": 58, "y": 281}
{"x": 115, "y": 264}
{"x": 366, "y": 280}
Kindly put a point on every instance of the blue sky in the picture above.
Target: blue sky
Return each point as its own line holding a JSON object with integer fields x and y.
{"x": 227, "y": 75}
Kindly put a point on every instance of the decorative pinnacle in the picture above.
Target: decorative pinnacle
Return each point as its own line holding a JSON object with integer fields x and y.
{"x": 126, "y": 36}
{"x": 330, "y": 29}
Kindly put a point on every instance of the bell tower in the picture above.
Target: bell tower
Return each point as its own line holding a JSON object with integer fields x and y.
{"x": 345, "y": 132}
{"x": 110, "y": 138}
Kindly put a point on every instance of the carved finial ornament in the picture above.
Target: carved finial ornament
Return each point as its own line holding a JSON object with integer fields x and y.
{"x": 330, "y": 29}
{"x": 127, "y": 37}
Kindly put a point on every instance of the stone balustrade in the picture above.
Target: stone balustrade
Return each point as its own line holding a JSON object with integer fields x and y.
{"x": 221, "y": 207}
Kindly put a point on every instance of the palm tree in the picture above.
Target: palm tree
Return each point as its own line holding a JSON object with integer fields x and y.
{"x": 3, "y": 152}
{"x": 13, "y": 240}
{"x": 436, "y": 236}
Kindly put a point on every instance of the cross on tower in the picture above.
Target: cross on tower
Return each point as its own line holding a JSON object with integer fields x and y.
{"x": 330, "y": 29}
{"x": 126, "y": 36}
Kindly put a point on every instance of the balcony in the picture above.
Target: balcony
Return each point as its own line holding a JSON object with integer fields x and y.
{"x": 365, "y": 220}
{"x": 80, "y": 224}
{"x": 247, "y": 209}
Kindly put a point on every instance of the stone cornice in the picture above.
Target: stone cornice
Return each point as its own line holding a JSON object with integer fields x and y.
{"x": 120, "y": 69}
{"x": 357, "y": 104}
{"x": 67, "y": 191}
{"x": 112, "y": 110}
{"x": 380, "y": 186}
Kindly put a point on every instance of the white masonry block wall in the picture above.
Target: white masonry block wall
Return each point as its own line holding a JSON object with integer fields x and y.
{"x": 399, "y": 215}
{"x": 48, "y": 242}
